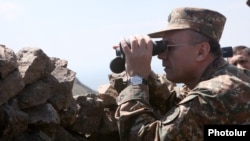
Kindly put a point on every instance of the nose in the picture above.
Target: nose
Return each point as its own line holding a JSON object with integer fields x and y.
{"x": 162, "y": 55}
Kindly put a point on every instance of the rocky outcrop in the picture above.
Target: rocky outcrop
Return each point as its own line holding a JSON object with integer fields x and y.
{"x": 37, "y": 101}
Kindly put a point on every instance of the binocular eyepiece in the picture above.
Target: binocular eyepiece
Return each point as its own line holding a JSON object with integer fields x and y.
{"x": 117, "y": 65}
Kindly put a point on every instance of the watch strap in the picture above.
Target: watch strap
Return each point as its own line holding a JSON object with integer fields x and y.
{"x": 136, "y": 80}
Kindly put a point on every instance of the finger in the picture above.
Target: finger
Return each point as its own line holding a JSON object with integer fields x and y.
{"x": 125, "y": 47}
{"x": 149, "y": 43}
{"x": 141, "y": 41}
{"x": 133, "y": 43}
{"x": 115, "y": 46}
{"x": 142, "y": 46}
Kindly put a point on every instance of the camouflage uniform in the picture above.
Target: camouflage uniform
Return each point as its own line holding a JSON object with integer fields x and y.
{"x": 221, "y": 97}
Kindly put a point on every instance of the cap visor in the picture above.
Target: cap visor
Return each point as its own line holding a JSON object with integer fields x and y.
{"x": 160, "y": 34}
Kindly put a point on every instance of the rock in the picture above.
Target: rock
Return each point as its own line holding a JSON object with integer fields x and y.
{"x": 38, "y": 101}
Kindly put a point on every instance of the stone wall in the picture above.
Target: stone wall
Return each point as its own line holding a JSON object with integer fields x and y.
{"x": 37, "y": 103}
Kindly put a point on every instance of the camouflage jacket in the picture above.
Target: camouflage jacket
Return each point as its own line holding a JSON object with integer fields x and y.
{"x": 221, "y": 97}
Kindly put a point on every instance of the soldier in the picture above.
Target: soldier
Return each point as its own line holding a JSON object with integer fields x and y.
{"x": 214, "y": 92}
{"x": 241, "y": 57}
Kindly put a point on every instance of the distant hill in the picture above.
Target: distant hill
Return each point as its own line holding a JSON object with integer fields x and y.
{"x": 81, "y": 89}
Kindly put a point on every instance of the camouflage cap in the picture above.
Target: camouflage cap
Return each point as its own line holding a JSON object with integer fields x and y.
{"x": 207, "y": 22}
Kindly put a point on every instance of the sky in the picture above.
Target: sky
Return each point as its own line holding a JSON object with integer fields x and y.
{"x": 84, "y": 31}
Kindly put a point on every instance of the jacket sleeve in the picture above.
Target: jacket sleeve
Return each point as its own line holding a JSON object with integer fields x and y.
{"x": 134, "y": 112}
{"x": 136, "y": 120}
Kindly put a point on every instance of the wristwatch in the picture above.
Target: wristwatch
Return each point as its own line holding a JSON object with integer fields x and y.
{"x": 136, "y": 80}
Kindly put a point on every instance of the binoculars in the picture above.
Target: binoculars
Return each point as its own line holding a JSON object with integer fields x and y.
{"x": 117, "y": 65}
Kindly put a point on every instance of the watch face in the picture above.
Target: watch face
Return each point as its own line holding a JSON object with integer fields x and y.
{"x": 135, "y": 80}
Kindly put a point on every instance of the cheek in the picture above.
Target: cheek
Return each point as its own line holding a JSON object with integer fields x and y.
{"x": 184, "y": 62}
{"x": 178, "y": 62}
{"x": 183, "y": 57}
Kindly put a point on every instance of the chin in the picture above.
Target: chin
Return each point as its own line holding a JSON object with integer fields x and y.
{"x": 172, "y": 79}
{"x": 169, "y": 77}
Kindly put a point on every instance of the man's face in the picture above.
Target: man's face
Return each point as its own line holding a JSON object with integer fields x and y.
{"x": 241, "y": 59}
{"x": 178, "y": 59}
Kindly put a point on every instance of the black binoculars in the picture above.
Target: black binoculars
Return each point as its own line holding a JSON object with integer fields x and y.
{"x": 117, "y": 65}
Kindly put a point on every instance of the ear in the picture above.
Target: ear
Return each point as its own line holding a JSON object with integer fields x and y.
{"x": 203, "y": 50}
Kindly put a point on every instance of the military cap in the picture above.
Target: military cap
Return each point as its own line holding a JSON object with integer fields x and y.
{"x": 207, "y": 22}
